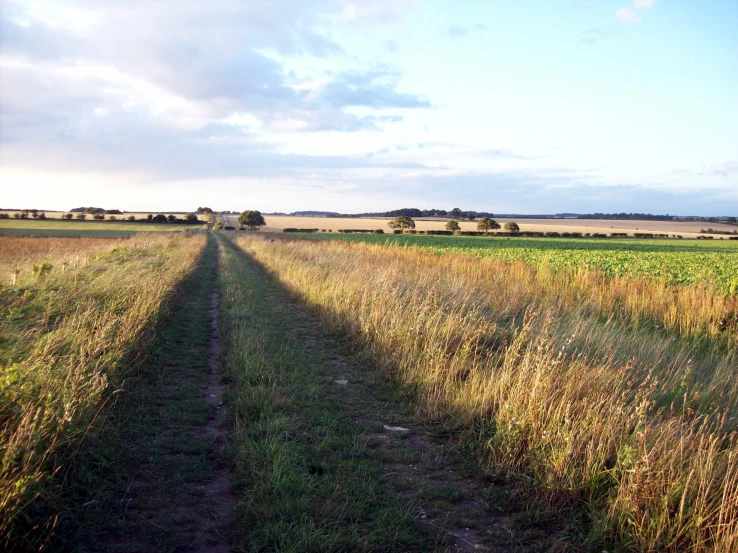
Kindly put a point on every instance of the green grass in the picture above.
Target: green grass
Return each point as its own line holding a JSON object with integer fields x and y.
{"x": 107, "y": 229}
{"x": 306, "y": 479}
{"x": 677, "y": 261}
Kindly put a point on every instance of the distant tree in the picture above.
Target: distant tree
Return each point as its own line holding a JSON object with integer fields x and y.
{"x": 172, "y": 218}
{"x": 113, "y": 218}
{"x": 150, "y": 217}
{"x": 67, "y": 216}
{"x": 42, "y": 215}
{"x": 402, "y": 222}
{"x": 453, "y": 225}
{"x": 98, "y": 216}
{"x": 251, "y": 219}
{"x": 471, "y": 215}
{"x": 455, "y": 213}
{"x": 81, "y": 216}
{"x": 160, "y": 218}
{"x": 24, "y": 214}
{"x": 202, "y": 210}
{"x": 131, "y": 217}
{"x": 512, "y": 226}
{"x": 191, "y": 218}
{"x": 16, "y": 215}
{"x": 486, "y": 224}
{"x": 34, "y": 213}
{"x": 731, "y": 220}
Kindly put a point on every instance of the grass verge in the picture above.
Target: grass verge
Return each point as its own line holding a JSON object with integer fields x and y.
{"x": 68, "y": 340}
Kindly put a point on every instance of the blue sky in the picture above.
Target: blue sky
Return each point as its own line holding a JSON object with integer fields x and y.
{"x": 502, "y": 106}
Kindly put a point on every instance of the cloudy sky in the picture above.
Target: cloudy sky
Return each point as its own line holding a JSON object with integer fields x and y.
{"x": 540, "y": 106}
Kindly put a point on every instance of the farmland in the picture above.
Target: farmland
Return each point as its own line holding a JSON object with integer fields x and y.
{"x": 676, "y": 262}
{"x": 686, "y": 229}
{"x": 327, "y": 392}
{"x": 51, "y": 227}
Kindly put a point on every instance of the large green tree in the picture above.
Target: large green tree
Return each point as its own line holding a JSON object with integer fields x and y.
{"x": 486, "y": 224}
{"x": 251, "y": 219}
{"x": 453, "y": 225}
{"x": 402, "y": 222}
{"x": 512, "y": 226}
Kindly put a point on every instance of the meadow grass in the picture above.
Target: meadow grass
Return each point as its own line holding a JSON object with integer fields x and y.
{"x": 70, "y": 332}
{"x": 700, "y": 310}
{"x": 626, "y": 431}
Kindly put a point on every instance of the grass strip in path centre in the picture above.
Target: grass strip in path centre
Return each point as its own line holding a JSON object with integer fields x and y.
{"x": 305, "y": 476}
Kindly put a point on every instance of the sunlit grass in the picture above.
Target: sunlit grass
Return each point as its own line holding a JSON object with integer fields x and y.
{"x": 613, "y": 398}
{"x": 69, "y": 334}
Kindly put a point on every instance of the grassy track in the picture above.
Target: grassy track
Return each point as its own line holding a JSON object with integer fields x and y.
{"x": 106, "y": 229}
{"x": 305, "y": 471}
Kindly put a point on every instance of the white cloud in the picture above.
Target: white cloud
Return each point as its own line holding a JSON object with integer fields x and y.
{"x": 630, "y": 15}
{"x": 627, "y": 15}
{"x": 643, "y": 4}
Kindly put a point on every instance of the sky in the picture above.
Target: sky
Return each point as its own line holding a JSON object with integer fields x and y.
{"x": 542, "y": 106}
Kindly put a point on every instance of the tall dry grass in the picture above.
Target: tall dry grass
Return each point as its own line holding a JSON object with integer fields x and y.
{"x": 69, "y": 340}
{"x": 631, "y": 424}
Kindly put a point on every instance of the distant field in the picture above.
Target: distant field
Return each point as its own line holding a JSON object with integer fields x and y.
{"x": 686, "y": 229}
{"x": 106, "y": 229}
{"x": 677, "y": 261}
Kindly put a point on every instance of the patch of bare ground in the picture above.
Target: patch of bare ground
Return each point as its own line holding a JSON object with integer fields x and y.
{"x": 217, "y": 495}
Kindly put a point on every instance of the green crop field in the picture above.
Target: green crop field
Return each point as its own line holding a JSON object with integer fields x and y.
{"x": 677, "y": 261}
{"x": 107, "y": 229}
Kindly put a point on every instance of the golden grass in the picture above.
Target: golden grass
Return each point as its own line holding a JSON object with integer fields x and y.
{"x": 629, "y": 423}
{"x": 18, "y": 254}
{"x": 69, "y": 338}
{"x": 686, "y": 229}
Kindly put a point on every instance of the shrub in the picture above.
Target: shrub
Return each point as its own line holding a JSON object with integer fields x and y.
{"x": 300, "y": 230}
{"x": 512, "y": 226}
{"x": 42, "y": 270}
{"x": 618, "y": 235}
{"x": 81, "y": 216}
{"x": 397, "y": 231}
{"x": 453, "y": 225}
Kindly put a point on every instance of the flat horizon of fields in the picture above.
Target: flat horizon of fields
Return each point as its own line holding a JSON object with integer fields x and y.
{"x": 687, "y": 229}
{"x": 58, "y": 227}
